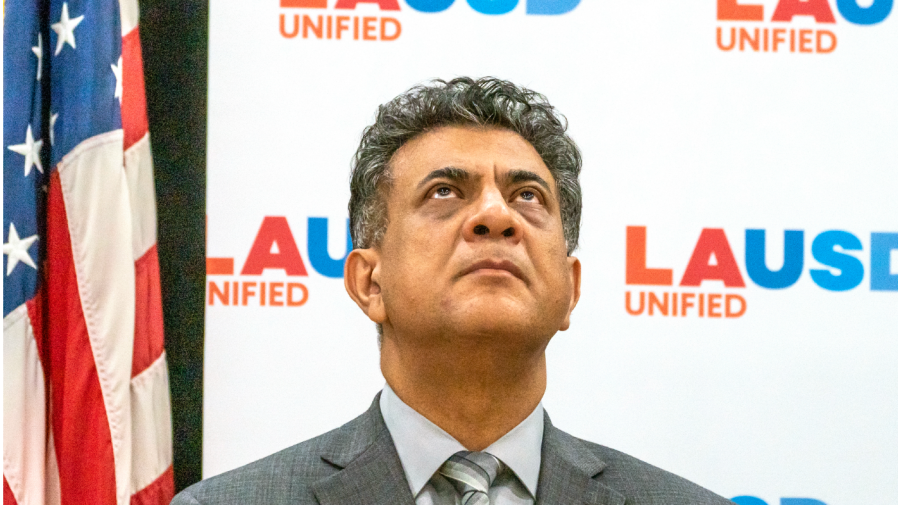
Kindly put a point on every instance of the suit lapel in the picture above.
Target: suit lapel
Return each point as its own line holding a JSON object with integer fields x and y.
{"x": 371, "y": 470}
{"x": 567, "y": 471}
{"x": 371, "y": 473}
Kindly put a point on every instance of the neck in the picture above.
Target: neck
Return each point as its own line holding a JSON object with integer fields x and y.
{"x": 475, "y": 394}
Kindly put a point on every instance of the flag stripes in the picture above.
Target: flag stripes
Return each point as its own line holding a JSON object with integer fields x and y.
{"x": 86, "y": 395}
{"x": 24, "y": 403}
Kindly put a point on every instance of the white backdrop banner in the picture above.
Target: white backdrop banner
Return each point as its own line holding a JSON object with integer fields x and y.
{"x": 739, "y": 318}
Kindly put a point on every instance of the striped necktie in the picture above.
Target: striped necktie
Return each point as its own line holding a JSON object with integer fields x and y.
{"x": 472, "y": 473}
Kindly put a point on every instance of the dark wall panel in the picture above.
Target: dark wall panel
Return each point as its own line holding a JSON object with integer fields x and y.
{"x": 175, "y": 48}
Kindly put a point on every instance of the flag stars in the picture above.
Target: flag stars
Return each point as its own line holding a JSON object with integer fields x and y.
{"x": 31, "y": 150}
{"x": 117, "y": 70}
{"x": 38, "y": 51}
{"x": 65, "y": 29}
{"x": 17, "y": 250}
{"x": 53, "y": 118}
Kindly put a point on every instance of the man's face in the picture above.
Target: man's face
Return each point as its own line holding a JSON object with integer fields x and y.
{"x": 474, "y": 243}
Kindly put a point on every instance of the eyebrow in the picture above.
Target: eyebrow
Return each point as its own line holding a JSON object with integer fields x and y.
{"x": 452, "y": 173}
{"x": 518, "y": 176}
{"x": 460, "y": 175}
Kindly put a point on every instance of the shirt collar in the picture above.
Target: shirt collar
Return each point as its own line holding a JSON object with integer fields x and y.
{"x": 423, "y": 446}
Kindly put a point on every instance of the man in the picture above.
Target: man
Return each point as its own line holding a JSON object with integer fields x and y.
{"x": 465, "y": 210}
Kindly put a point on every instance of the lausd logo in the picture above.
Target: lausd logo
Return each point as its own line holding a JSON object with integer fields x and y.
{"x": 274, "y": 249}
{"x": 316, "y": 21}
{"x": 780, "y": 37}
{"x": 751, "y": 500}
{"x": 713, "y": 260}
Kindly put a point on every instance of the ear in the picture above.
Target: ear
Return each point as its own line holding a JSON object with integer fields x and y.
{"x": 361, "y": 273}
{"x": 574, "y": 272}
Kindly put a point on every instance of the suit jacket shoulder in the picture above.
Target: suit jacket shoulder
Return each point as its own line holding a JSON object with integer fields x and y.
{"x": 274, "y": 479}
{"x": 615, "y": 477}
{"x": 293, "y": 474}
{"x": 358, "y": 464}
{"x": 631, "y": 474}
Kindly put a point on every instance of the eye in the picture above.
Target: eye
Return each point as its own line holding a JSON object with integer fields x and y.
{"x": 528, "y": 196}
{"x": 443, "y": 192}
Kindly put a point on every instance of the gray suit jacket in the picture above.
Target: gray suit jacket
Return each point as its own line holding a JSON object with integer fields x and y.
{"x": 358, "y": 464}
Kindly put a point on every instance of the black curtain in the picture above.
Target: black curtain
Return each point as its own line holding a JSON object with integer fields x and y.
{"x": 174, "y": 37}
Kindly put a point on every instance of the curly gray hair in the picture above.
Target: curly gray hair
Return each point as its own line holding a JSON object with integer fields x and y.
{"x": 486, "y": 102}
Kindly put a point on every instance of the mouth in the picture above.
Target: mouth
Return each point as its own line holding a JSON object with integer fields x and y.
{"x": 494, "y": 267}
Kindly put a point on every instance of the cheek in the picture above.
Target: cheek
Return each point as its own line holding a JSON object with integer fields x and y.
{"x": 407, "y": 262}
{"x": 430, "y": 244}
{"x": 546, "y": 240}
{"x": 551, "y": 260}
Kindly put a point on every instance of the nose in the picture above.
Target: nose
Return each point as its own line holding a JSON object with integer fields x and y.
{"x": 493, "y": 219}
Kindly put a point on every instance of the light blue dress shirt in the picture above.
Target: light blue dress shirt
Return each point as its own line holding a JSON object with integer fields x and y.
{"x": 423, "y": 447}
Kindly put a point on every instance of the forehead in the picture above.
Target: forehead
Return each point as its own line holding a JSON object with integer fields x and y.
{"x": 475, "y": 149}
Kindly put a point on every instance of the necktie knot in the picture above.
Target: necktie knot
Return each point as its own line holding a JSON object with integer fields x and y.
{"x": 472, "y": 474}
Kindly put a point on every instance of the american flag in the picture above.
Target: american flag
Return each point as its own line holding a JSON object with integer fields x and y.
{"x": 86, "y": 409}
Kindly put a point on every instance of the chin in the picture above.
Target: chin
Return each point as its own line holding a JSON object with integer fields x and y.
{"x": 501, "y": 321}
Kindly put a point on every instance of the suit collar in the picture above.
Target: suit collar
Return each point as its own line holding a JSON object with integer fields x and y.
{"x": 372, "y": 473}
{"x": 568, "y": 470}
{"x": 423, "y": 446}
{"x": 353, "y": 438}
{"x": 370, "y": 468}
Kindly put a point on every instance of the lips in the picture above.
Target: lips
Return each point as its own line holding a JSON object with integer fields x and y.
{"x": 506, "y": 265}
